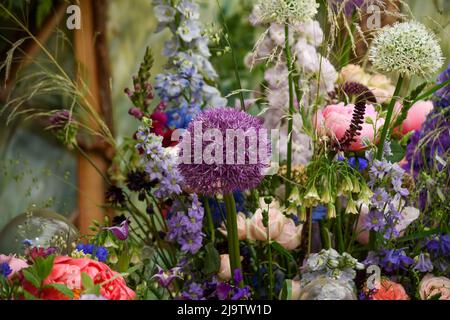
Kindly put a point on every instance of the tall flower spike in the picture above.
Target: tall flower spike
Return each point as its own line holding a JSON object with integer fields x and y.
{"x": 408, "y": 48}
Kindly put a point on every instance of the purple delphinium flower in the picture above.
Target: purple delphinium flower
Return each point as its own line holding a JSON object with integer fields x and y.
{"x": 380, "y": 168}
{"x": 224, "y": 177}
{"x": 186, "y": 228}
{"x": 395, "y": 259}
{"x": 5, "y": 269}
{"x": 380, "y": 198}
{"x": 374, "y": 220}
{"x": 165, "y": 278}
{"x": 442, "y": 96}
{"x": 371, "y": 259}
{"x": 194, "y": 292}
{"x": 423, "y": 263}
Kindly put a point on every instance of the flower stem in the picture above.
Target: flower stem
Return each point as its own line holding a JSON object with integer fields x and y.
{"x": 325, "y": 235}
{"x": 269, "y": 256}
{"x": 209, "y": 219}
{"x": 390, "y": 111}
{"x": 290, "y": 68}
{"x": 232, "y": 234}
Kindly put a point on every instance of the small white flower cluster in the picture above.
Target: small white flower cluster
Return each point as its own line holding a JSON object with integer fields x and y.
{"x": 408, "y": 48}
{"x": 285, "y": 11}
{"x": 331, "y": 264}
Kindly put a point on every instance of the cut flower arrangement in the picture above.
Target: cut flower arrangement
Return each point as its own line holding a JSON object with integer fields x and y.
{"x": 328, "y": 180}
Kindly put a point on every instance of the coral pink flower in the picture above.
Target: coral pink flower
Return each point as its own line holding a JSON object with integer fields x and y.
{"x": 14, "y": 263}
{"x": 390, "y": 290}
{"x": 67, "y": 271}
{"x": 416, "y": 115}
{"x": 336, "y": 119}
{"x": 290, "y": 237}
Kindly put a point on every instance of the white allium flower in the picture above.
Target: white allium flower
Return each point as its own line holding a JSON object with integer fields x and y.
{"x": 285, "y": 11}
{"x": 408, "y": 48}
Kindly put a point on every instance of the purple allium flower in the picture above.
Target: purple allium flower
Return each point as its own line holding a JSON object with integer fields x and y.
{"x": 423, "y": 263}
{"x": 221, "y": 178}
{"x": 5, "y": 269}
{"x": 165, "y": 278}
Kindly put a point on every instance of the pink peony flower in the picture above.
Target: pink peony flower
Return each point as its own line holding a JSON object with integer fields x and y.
{"x": 14, "y": 263}
{"x": 336, "y": 119}
{"x": 416, "y": 115}
{"x": 290, "y": 237}
{"x": 431, "y": 286}
{"x": 390, "y": 290}
{"x": 67, "y": 271}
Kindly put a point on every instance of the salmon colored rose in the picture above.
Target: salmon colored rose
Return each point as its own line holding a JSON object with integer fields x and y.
{"x": 291, "y": 235}
{"x": 431, "y": 286}
{"x": 241, "y": 225}
{"x": 67, "y": 271}
{"x": 257, "y": 231}
{"x": 336, "y": 119}
{"x": 390, "y": 290}
{"x": 225, "y": 269}
{"x": 14, "y": 263}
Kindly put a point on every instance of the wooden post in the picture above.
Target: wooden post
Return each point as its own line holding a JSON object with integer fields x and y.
{"x": 91, "y": 185}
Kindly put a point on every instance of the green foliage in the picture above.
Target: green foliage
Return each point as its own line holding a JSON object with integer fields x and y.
{"x": 286, "y": 291}
{"x": 211, "y": 260}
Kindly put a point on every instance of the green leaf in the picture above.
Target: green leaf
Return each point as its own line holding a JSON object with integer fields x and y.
{"x": 398, "y": 152}
{"x": 44, "y": 266}
{"x": 29, "y": 296}
{"x": 61, "y": 288}
{"x": 87, "y": 281}
{"x": 30, "y": 275}
{"x": 279, "y": 248}
{"x": 286, "y": 291}
{"x": 212, "y": 259}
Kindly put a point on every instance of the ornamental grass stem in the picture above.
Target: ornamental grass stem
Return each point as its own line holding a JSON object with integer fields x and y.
{"x": 390, "y": 111}
{"x": 288, "y": 54}
{"x": 209, "y": 219}
{"x": 232, "y": 234}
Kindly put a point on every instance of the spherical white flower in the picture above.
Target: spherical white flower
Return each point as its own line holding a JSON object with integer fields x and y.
{"x": 285, "y": 11}
{"x": 408, "y": 48}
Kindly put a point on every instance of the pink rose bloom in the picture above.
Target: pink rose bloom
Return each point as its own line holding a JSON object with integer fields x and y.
{"x": 431, "y": 286}
{"x": 67, "y": 271}
{"x": 390, "y": 290}
{"x": 416, "y": 115}
{"x": 225, "y": 268}
{"x": 336, "y": 119}
{"x": 241, "y": 225}
{"x": 257, "y": 231}
{"x": 14, "y": 263}
{"x": 290, "y": 237}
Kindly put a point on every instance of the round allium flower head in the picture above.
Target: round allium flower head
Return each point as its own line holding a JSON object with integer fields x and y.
{"x": 286, "y": 11}
{"x": 408, "y": 48}
{"x": 234, "y": 152}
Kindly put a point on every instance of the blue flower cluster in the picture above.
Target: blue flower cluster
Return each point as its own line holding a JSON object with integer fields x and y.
{"x": 186, "y": 228}
{"x": 389, "y": 198}
{"x": 160, "y": 163}
{"x": 5, "y": 269}
{"x": 101, "y": 253}
{"x": 183, "y": 86}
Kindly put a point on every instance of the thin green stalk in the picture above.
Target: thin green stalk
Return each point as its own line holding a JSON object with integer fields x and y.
{"x": 325, "y": 235}
{"x": 209, "y": 219}
{"x": 232, "y": 234}
{"x": 288, "y": 54}
{"x": 310, "y": 222}
{"x": 338, "y": 226}
{"x": 390, "y": 111}
{"x": 233, "y": 56}
{"x": 269, "y": 257}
